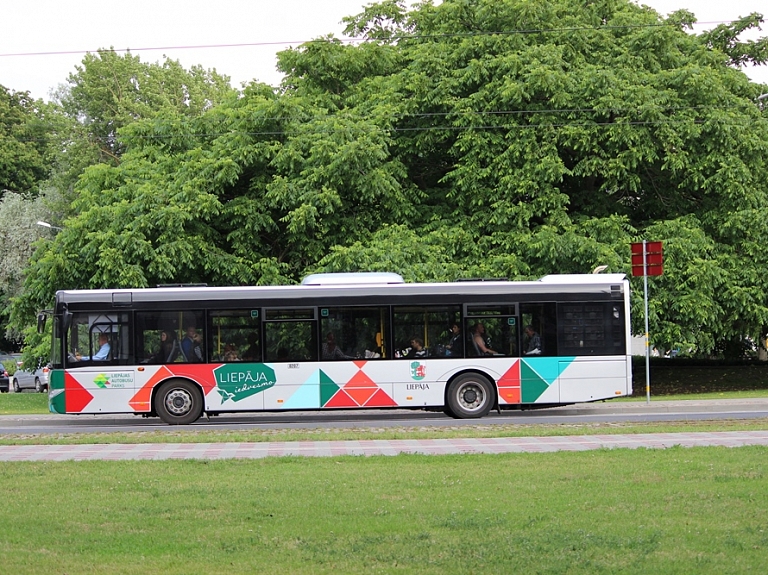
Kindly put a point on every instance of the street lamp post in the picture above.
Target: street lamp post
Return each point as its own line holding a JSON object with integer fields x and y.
{"x": 47, "y": 225}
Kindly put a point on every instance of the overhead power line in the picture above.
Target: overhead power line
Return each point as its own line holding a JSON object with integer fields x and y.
{"x": 353, "y": 40}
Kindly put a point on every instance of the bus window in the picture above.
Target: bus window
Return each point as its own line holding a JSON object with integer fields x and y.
{"x": 430, "y": 326}
{"x": 357, "y": 332}
{"x": 151, "y": 345}
{"x": 591, "y": 328}
{"x": 491, "y": 330}
{"x": 540, "y": 320}
{"x": 290, "y": 335}
{"x": 234, "y": 335}
{"x": 94, "y": 337}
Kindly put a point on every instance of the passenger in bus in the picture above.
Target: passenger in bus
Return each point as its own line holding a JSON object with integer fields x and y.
{"x": 534, "y": 341}
{"x": 169, "y": 348}
{"x": 192, "y": 346}
{"x": 417, "y": 348}
{"x": 282, "y": 354}
{"x": 252, "y": 352}
{"x": 331, "y": 351}
{"x": 101, "y": 355}
{"x": 230, "y": 353}
{"x": 455, "y": 345}
{"x": 480, "y": 342}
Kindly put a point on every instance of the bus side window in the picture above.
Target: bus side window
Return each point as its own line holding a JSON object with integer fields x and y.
{"x": 541, "y": 318}
{"x": 358, "y": 332}
{"x": 234, "y": 335}
{"x": 290, "y": 335}
{"x": 430, "y": 328}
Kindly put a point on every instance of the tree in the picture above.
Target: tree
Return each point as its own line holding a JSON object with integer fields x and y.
{"x": 24, "y": 153}
{"x": 476, "y": 137}
{"x": 109, "y": 91}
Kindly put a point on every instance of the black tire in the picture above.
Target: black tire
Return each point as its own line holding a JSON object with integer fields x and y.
{"x": 16, "y": 388}
{"x": 470, "y": 395}
{"x": 38, "y": 386}
{"x": 179, "y": 402}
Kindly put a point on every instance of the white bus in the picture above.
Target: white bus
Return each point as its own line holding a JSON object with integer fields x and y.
{"x": 341, "y": 341}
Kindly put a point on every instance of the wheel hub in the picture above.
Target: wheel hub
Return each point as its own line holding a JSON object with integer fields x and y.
{"x": 178, "y": 402}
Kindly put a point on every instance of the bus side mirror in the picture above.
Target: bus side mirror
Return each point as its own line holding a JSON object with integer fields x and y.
{"x": 67, "y": 321}
{"x": 41, "y": 317}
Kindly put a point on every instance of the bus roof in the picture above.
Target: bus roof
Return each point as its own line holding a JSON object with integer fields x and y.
{"x": 605, "y": 284}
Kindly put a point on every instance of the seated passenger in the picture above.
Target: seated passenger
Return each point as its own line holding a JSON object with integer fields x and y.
{"x": 169, "y": 348}
{"x": 534, "y": 341}
{"x": 417, "y": 348}
{"x": 252, "y": 352}
{"x": 230, "y": 353}
{"x": 331, "y": 351}
{"x": 192, "y": 346}
{"x": 480, "y": 343}
{"x": 455, "y": 345}
{"x": 101, "y": 355}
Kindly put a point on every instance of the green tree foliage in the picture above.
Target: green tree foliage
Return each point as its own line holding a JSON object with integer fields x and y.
{"x": 24, "y": 134}
{"x": 472, "y": 138}
{"x": 19, "y": 235}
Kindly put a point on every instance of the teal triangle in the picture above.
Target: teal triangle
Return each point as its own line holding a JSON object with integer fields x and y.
{"x": 548, "y": 368}
{"x": 307, "y": 396}
{"x": 532, "y": 386}
{"x": 328, "y": 387}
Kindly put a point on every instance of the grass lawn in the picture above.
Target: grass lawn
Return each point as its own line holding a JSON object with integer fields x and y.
{"x": 24, "y": 403}
{"x": 37, "y": 403}
{"x": 700, "y": 510}
{"x": 256, "y": 434}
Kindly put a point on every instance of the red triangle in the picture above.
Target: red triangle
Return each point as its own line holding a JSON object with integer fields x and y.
{"x": 341, "y": 399}
{"x": 360, "y": 363}
{"x": 381, "y": 399}
{"x": 360, "y": 379}
{"x": 360, "y": 394}
{"x": 512, "y": 377}
{"x": 76, "y": 397}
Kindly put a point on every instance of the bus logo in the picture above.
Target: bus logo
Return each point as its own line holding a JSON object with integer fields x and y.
{"x": 418, "y": 370}
{"x": 234, "y": 382}
{"x": 114, "y": 380}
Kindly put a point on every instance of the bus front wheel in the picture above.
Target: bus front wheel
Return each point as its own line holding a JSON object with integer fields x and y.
{"x": 470, "y": 395}
{"x": 179, "y": 402}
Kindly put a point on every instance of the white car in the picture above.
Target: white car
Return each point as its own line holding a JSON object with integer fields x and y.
{"x": 37, "y": 380}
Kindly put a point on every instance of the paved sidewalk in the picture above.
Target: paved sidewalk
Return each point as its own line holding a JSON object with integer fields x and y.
{"x": 159, "y": 451}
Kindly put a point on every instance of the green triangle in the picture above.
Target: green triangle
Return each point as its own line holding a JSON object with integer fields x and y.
{"x": 532, "y": 385}
{"x": 327, "y": 388}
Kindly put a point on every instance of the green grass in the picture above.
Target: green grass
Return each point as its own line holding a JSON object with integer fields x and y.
{"x": 24, "y": 403}
{"x": 37, "y": 403}
{"x": 254, "y": 434}
{"x": 744, "y": 394}
{"x": 700, "y": 510}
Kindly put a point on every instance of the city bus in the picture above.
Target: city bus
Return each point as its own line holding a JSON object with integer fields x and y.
{"x": 341, "y": 341}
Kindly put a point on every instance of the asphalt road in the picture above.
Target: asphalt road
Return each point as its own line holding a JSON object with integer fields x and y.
{"x": 603, "y": 412}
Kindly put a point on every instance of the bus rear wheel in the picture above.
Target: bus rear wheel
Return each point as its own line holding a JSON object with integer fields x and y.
{"x": 469, "y": 396}
{"x": 179, "y": 402}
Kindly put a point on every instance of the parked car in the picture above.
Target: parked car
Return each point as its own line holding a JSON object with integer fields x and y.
{"x": 3, "y": 379}
{"x": 37, "y": 380}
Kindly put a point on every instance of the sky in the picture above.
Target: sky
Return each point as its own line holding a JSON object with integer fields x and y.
{"x": 41, "y": 41}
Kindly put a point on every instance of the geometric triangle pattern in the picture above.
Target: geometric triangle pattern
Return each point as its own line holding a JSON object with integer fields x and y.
{"x": 532, "y": 385}
{"x": 77, "y": 397}
{"x": 360, "y": 391}
{"x": 328, "y": 388}
{"x": 537, "y": 374}
{"x": 509, "y": 384}
{"x": 307, "y": 396}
